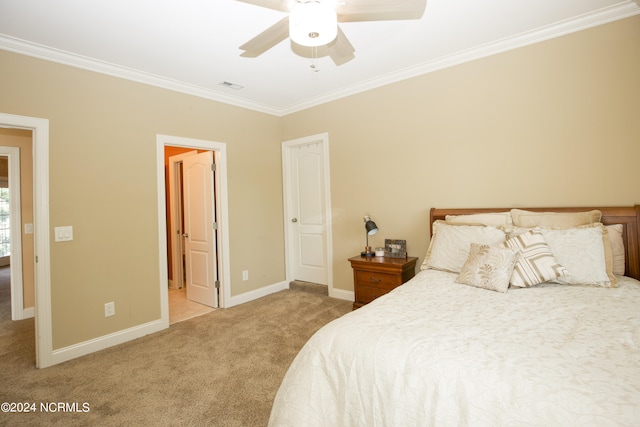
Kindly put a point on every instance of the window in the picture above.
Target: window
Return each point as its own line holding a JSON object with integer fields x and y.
{"x": 5, "y": 223}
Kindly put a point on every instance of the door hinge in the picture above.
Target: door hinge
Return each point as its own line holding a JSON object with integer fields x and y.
{"x": 213, "y": 167}
{"x": 36, "y": 258}
{"x": 215, "y": 225}
{"x": 217, "y": 284}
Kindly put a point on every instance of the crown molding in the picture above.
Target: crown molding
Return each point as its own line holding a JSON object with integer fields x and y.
{"x": 619, "y": 11}
{"x": 46, "y": 53}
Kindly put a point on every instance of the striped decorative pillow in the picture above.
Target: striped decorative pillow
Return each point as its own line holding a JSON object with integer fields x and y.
{"x": 536, "y": 263}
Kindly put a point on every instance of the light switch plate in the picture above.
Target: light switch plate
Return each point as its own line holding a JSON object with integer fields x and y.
{"x": 63, "y": 234}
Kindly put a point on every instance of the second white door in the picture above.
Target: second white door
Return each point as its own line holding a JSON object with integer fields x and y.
{"x": 201, "y": 267}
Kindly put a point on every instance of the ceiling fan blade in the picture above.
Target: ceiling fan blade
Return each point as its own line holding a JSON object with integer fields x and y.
{"x": 266, "y": 39}
{"x": 380, "y": 10}
{"x": 281, "y": 5}
{"x": 341, "y": 50}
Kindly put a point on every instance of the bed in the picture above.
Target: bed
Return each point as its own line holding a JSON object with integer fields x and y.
{"x": 436, "y": 352}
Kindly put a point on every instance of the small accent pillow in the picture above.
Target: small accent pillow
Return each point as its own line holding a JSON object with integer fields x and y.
{"x": 581, "y": 250}
{"x": 529, "y": 219}
{"x": 450, "y": 243}
{"x": 488, "y": 267}
{"x": 617, "y": 248}
{"x": 536, "y": 263}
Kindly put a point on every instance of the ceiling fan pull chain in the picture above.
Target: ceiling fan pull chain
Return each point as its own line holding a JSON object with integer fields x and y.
{"x": 314, "y": 59}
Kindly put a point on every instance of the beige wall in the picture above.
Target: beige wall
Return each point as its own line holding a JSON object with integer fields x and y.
{"x": 103, "y": 183}
{"x": 22, "y": 139}
{"x": 552, "y": 124}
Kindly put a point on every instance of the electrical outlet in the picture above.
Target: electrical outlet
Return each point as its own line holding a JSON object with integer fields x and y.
{"x": 109, "y": 309}
{"x": 245, "y": 275}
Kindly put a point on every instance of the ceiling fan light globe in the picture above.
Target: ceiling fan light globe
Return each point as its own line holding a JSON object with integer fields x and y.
{"x": 313, "y": 24}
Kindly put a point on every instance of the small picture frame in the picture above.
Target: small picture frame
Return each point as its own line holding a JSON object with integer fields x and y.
{"x": 394, "y": 248}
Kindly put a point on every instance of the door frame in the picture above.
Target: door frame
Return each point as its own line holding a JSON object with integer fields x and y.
{"x": 18, "y": 312}
{"x": 42, "y": 273}
{"x": 221, "y": 196}
{"x": 287, "y": 147}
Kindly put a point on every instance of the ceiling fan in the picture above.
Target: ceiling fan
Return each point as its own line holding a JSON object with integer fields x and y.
{"x": 315, "y": 23}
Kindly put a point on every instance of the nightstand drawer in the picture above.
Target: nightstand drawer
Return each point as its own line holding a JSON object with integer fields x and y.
{"x": 367, "y": 294}
{"x": 373, "y": 279}
{"x": 376, "y": 276}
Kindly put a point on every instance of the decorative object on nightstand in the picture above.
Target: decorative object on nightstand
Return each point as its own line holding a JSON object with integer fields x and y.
{"x": 370, "y": 229}
{"x": 394, "y": 248}
{"x": 376, "y": 276}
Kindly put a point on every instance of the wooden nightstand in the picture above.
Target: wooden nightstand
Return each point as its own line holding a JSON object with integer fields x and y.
{"x": 375, "y": 276}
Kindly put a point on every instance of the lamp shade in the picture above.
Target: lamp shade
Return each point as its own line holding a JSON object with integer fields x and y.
{"x": 371, "y": 227}
{"x": 313, "y": 23}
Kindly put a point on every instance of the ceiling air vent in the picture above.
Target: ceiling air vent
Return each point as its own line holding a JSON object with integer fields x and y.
{"x": 230, "y": 85}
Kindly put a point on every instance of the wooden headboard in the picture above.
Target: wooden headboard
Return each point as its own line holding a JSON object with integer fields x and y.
{"x": 628, "y": 216}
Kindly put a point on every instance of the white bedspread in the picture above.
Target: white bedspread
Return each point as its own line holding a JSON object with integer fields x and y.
{"x": 436, "y": 353}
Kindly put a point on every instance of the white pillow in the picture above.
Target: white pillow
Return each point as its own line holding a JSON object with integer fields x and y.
{"x": 495, "y": 219}
{"x": 488, "y": 267}
{"x": 617, "y": 248}
{"x": 582, "y": 252}
{"x": 529, "y": 219}
{"x": 450, "y": 244}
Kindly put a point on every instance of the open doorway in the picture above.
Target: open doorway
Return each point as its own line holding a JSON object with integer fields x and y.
{"x": 34, "y": 162}
{"x": 16, "y": 219}
{"x": 191, "y": 233}
{"x": 17, "y": 293}
{"x": 197, "y": 166}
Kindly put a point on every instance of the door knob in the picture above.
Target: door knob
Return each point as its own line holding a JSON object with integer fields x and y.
{"x": 294, "y": 220}
{"x": 185, "y": 235}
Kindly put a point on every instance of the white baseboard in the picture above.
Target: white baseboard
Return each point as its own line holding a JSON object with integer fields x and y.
{"x": 342, "y": 294}
{"x": 106, "y": 341}
{"x": 81, "y": 349}
{"x": 19, "y": 313}
{"x": 28, "y": 313}
{"x": 258, "y": 293}
{"x": 277, "y": 287}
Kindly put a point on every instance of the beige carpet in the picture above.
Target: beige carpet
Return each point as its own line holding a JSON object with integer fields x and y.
{"x": 219, "y": 369}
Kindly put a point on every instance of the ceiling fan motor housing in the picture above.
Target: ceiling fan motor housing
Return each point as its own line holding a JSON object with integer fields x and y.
{"x": 313, "y": 23}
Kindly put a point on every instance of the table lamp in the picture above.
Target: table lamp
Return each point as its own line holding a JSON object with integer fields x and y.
{"x": 371, "y": 228}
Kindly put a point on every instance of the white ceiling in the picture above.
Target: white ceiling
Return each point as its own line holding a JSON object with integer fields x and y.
{"x": 192, "y": 45}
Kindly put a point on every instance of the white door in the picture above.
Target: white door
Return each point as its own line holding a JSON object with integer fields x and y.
{"x": 199, "y": 229}
{"x": 307, "y": 213}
